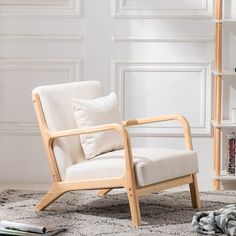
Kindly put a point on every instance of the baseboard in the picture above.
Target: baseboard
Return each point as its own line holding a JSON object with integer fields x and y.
{"x": 43, "y": 187}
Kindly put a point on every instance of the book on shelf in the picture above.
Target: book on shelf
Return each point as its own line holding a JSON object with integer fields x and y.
{"x": 229, "y": 157}
{"x": 14, "y": 228}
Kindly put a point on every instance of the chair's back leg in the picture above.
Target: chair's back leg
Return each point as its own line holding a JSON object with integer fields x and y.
{"x": 194, "y": 192}
{"x": 103, "y": 192}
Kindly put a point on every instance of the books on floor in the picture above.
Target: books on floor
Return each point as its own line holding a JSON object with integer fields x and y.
{"x": 14, "y": 228}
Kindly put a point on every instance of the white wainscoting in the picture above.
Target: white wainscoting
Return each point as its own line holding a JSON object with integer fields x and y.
{"x": 162, "y": 8}
{"x": 45, "y": 37}
{"x": 18, "y": 118}
{"x": 229, "y": 9}
{"x": 155, "y": 88}
{"x": 229, "y": 42}
{"x": 41, "y": 7}
{"x": 146, "y": 39}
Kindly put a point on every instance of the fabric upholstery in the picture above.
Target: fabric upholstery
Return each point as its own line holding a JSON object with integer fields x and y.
{"x": 98, "y": 111}
{"x": 58, "y": 112}
{"x": 152, "y": 165}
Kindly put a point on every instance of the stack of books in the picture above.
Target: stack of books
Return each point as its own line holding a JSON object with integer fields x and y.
{"x": 230, "y": 149}
{"x": 14, "y": 228}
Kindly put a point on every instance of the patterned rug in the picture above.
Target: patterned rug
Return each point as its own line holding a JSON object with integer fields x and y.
{"x": 84, "y": 213}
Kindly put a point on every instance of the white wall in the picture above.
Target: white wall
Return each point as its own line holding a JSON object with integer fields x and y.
{"x": 156, "y": 54}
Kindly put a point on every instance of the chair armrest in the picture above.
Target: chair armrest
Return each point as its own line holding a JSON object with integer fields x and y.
{"x": 114, "y": 126}
{"x": 65, "y": 133}
{"x": 93, "y": 129}
{"x": 178, "y": 117}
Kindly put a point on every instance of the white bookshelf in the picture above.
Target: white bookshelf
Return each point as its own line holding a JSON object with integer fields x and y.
{"x": 224, "y": 14}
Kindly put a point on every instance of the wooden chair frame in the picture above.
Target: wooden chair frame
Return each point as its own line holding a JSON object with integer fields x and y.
{"x": 128, "y": 181}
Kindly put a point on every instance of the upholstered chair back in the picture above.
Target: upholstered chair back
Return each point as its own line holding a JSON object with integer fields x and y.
{"x": 57, "y": 108}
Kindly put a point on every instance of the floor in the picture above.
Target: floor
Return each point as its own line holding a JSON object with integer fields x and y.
{"x": 45, "y": 187}
{"x": 25, "y": 186}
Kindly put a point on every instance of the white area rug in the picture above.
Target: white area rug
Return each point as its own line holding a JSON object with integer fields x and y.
{"x": 83, "y": 213}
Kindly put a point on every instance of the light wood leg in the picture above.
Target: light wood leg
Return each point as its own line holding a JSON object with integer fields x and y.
{"x": 52, "y": 195}
{"x": 103, "y": 192}
{"x": 134, "y": 207}
{"x": 194, "y": 192}
{"x": 217, "y": 184}
{"x": 217, "y": 152}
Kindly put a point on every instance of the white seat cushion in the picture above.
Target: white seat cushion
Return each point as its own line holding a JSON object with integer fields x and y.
{"x": 152, "y": 165}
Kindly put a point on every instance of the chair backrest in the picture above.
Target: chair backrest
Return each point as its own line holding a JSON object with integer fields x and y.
{"x": 57, "y": 108}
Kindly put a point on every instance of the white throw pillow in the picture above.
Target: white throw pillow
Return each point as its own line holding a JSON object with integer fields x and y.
{"x": 98, "y": 111}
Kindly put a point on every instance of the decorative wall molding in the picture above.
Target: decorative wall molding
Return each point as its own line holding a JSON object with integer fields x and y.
{"x": 41, "y": 8}
{"x": 146, "y": 39}
{"x": 72, "y": 67}
{"x": 78, "y": 38}
{"x": 122, "y": 9}
{"x": 202, "y": 128}
{"x": 19, "y": 128}
{"x": 229, "y": 9}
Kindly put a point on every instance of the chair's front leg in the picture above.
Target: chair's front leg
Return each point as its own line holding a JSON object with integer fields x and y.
{"x": 194, "y": 192}
{"x": 53, "y": 194}
{"x": 134, "y": 206}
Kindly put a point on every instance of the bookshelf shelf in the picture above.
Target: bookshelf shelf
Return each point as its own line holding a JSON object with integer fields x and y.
{"x": 224, "y": 73}
{"x": 225, "y": 178}
{"x": 223, "y": 124}
{"x": 226, "y": 20}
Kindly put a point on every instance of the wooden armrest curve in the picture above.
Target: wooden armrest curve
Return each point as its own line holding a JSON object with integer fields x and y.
{"x": 154, "y": 119}
{"x": 65, "y": 133}
{"x": 178, "y": 117}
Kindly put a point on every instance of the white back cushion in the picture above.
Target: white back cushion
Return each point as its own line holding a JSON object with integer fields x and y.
{"x": 58, "y": 112}
{"x": 98, "y": 111}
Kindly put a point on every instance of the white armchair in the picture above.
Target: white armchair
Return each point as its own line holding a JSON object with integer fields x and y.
{"x": 138, "y": 170}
